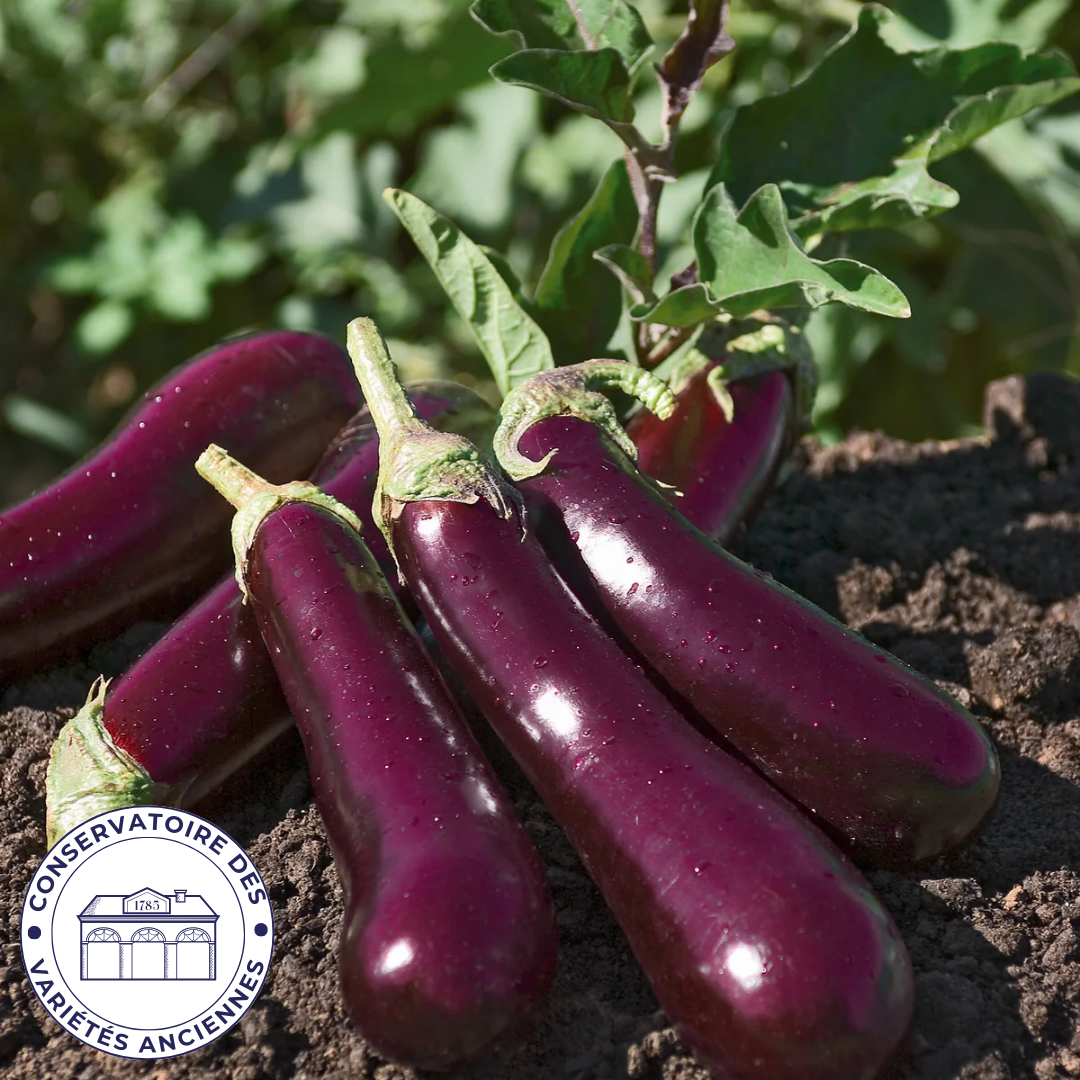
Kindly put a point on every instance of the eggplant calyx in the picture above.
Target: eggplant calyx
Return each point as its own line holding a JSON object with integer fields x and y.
{"x": 416, "y": 462}
{"x": 255, "y": 499}
{"x": 88, "y": 773}
{"x": 575, "y": 391}
{"x": 774, "y": 345}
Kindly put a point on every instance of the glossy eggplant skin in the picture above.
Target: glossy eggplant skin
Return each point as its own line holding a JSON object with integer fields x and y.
{"x": 449, "y": 934}
{"x": 891, "y": 765}
{"x": 720, "y": 470}
{"x": 764, "y": 945}
{"x": 132, "y": 532}
{"x": 205, "y": 698}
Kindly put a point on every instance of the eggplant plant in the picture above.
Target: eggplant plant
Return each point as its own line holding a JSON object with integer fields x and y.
{"x": 849, "y": 147}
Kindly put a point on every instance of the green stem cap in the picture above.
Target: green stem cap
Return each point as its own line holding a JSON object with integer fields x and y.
{"x": 256, "y": 498}
{"x": 416, "y": 462}
{"x": 575, "y": 391}
{"x": 88, "y": 773}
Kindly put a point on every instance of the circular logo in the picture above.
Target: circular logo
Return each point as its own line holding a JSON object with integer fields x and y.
{"x": 147, "y": 932}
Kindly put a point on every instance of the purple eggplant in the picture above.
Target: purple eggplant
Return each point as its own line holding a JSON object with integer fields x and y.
{"x": 449, "y": 934}
{"x": 763, "y": 944}
{"x": 205, "y": 698}
{"x": 719, "y": 453}
{"x": 131, "y": 532}
{"x": 894, "y": 767}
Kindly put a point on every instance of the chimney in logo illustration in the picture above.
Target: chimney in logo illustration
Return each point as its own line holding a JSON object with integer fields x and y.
{"x": 181, "y": 895}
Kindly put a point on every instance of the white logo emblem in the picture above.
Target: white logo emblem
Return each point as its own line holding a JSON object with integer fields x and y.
{"x": 147, "y": 932}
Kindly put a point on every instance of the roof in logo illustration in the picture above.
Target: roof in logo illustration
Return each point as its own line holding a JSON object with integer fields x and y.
{"x": 148, "y": 903}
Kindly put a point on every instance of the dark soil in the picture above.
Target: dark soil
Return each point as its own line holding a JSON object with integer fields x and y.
{"x": 962, "y": 558}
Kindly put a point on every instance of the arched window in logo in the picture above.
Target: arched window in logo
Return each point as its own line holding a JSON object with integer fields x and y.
{"x": 101, "y": 954}
{"x": 103, "y": 933}
{"x": 147, "y": 953}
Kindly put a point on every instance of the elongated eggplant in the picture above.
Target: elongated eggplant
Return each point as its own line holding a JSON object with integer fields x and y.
{"x": 131, "y": 532}
{"x": 205, "y": 698}
{"x": 719, "y": 451}
{"x": 449, "y": 934}
{"x": 891, "y": 764}
{"x": 764, "y": 945}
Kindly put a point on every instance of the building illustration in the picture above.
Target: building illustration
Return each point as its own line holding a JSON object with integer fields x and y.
{"x": 148, "y": 935}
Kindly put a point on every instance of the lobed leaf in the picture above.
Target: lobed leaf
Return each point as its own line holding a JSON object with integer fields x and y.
{"x": 513, "y": 345}
{"x": 749, "y": 261}
{"x": 854, "y": 139}
{"x": 908, "y": 193}
{"x": 687, "y": 306}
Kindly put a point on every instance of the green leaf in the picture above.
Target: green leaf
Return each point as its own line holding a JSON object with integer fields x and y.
{"x": 569, "y": 27}
{"x": 596, "y": 83}
{"x": 750, "y": 260}
{"x": 546, "y": 24}
{"x": 578, "y": 303}
{"x": 513, "y": 345}
{"x": 631, "y": 268}
{"x": 854, "y": 139}
{"x": 882, "y": 202}
{"x": 979, "y": 115}
{"x": 681, "y": 307}
{"x": 403, "y": 85}
{"x": 501, "y": 264}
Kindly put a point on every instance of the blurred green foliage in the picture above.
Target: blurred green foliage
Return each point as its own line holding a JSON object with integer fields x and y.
{"x": 175, "y": 171}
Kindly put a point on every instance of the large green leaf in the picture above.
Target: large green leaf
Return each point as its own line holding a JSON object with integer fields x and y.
{"x": 513, "y": 345}
{"x": 687, "y": 306}
{"x": 596, "y": 83}
{"x": 852, "y": 142}
{"x": 749, "y": 260}
{"x": 881, "y": 202}
{"x": 578, "y": 302}
{"x": 569, "y": 27}
{"x": 977, "y": 116}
